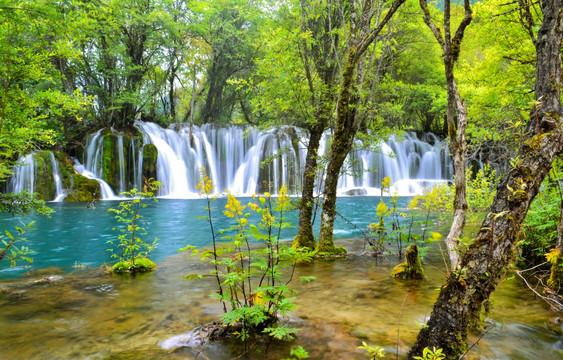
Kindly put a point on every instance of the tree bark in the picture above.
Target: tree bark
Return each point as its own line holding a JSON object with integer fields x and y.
{"x": 305, "y": 236}
{"x": 456, "y": 106}
{"x": 484, "y": 264}
{"x": 347, "y": 119}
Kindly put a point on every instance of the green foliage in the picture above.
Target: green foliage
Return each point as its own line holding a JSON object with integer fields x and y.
{"x": 22, "y": 203}
{"x": 11, "y": 251}
{"x": 250, "y": 269}
{"x": 481, "y": 190}
{"x": 434, "y": 354}
{"x": 539, "y": 232}
{"x": 374, "y": 352}
{"x": 298, "y": 353}
{"x": 19, "y": 204}
{"x": 130, "y": 250}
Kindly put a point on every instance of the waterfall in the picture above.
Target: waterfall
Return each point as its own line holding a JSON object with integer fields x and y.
{"x": 107, "y": 192}
{"x": 23, "y": 178}
{"x": 243, "y": 161}
{"x": 60, "y": 191}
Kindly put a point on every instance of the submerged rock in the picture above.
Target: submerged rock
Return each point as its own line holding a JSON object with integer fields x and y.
{"x": 355, "y": 192}
{"x": 411, "y": 268}
{"x": 196, "y": 337}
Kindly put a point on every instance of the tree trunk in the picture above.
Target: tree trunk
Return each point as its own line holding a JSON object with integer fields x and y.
{"x": 362, "y": 35}
{"x": 458, "y": 148}
{"x": 456, "y": 129}
{"x": 342, "y": 140}
{"x": 305, "y": 237}
{"x": 485, "y": 262}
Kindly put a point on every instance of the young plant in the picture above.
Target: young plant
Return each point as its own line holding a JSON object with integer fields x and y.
{"x": 19, "y": 204}
{"x": 11, "y": 251}
{"x": 374, "y": 352}
{"x": 249, "y": 269}
{"x": 131, "y": 250}
{"x": 434, "y": 354}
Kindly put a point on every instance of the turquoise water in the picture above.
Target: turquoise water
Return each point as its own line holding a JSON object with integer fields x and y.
{"x": 76, "y": 234}
{"x": 91, "y": 315}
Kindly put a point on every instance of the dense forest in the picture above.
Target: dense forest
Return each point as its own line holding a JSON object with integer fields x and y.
{"x": 482, "y": 76}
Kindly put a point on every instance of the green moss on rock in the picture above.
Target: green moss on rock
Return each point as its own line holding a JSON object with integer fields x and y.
{"x": 411, "y": 268}
{"x": 141, "y": 265}
{"x": 150, "y": 157}
{"x": 44, "y": 184}
{"x": 83, "y": 189}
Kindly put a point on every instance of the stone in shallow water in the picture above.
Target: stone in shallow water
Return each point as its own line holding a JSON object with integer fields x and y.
{"x": 355, "y": 192}
{"x": 195, "y": 337}
{"x": 190, "y": 339}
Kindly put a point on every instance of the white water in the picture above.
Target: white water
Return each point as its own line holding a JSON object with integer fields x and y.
{"x": 107, "y": 192}
{"x": 60, "y": 191}
{"x": 24, "y": 177}
{"x": 245, "y": 160}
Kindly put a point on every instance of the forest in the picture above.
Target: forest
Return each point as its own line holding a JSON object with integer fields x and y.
{"x": 327, "y": 179}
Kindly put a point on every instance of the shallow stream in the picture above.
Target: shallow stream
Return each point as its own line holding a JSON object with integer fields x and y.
{"x": 51, "y": 313}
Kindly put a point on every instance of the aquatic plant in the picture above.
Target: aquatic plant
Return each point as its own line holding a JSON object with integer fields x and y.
{"x": 253, "y": 269}
{"x": 132, "y": 250}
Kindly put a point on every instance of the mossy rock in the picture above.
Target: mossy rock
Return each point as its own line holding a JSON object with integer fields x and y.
{"x": 141, "y": 265}
{"x": 411, "y": 268}
{"x": 83, "y": 189}
{"x": 555, "y": 281}
{"x": 335, "y": 251}
{"x": 150, "y": 157}
{"x": 44, "y": 183}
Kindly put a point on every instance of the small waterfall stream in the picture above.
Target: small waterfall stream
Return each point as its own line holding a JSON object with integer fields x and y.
{"x": 25, "y": 177}
{"x": 243, "y": 161}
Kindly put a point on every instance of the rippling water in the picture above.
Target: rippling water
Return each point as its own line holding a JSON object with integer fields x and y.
{"x": 85, "y": 314}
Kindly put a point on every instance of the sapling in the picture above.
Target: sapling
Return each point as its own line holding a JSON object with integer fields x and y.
{"x": 249, "y": 268}
{"x": 132, "y": 250}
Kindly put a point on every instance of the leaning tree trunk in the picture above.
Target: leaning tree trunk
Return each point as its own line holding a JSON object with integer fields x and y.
{"x": 342, "y": 141}
{"x": 362, "y": 35}
{"x": 486, "y": 260}
{"x": 458, "y": 148}
{"x": 456, "y": 129}
{"x": 556, "y": 276}
{"x": 305, "y": 236}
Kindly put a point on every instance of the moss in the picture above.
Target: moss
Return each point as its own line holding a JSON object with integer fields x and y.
{"x": 334, "y": 251}
{"x": 411, "y": 268}
{"x": 43, "y": 180}
{"x": 141, "y": 265}
{"x": 109, "y": 161}
{"x": 303, "y": 242}
{"x": 150, "y": 157}
{"x": 83, "y": 189}
{"x": 555, "y": 281}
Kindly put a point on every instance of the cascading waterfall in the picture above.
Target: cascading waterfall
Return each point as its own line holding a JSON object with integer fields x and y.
{"x": 243, "y": 161}
{"x": 60, "y": 191}
{"x": 107, "y": 192}
{"x": 23, "y": 178}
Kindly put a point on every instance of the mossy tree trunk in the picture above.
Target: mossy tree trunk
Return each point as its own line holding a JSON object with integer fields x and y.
{"x": 556, "y": 276}
{"x": 361, "y": 36}
{"x": 412, "y": 267}
{"x": 305, "y": 237}
{"x": 486, "y": 260}
{"x": 456, "y": 126}
{"x": 320, "y": 59}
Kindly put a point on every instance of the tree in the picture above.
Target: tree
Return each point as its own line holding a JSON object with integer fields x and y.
{"x": 230, "y": 28}
{"x": 485, "y": 262}
{"x": 451, "y": 46}
{"x": 366, "y": 21}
